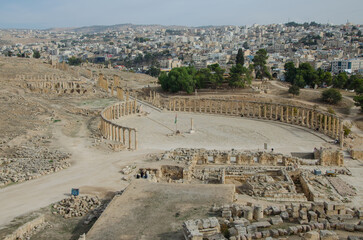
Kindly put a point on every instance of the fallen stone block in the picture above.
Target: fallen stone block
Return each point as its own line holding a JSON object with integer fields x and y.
{"x": 262, "y": 224}
{"x": 328, "y": 235}
{"x": 349, "y": 227}
{"x": 312, "y": 235}
{"x": 276, "y": 220}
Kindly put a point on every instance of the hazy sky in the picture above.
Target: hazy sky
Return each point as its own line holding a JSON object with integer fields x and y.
{"x": 76, "y": 13}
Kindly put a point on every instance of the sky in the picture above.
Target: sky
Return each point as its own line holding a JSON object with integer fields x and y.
{"x": 41, "y": 14}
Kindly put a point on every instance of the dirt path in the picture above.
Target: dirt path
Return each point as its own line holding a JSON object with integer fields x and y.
{"x": 92, "y": 170}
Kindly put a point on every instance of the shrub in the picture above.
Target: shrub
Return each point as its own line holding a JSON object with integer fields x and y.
{"x": 294, "y": 90}
{"x": 346, "y": 130}
{"x": 331, "y": 96}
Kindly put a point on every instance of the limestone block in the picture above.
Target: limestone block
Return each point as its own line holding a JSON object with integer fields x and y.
{"x": 226, "y": 214}
{"x": 266, "y": 233}
{"x": 241, "y": 230}
{"x": 331, "y": 212}
{"x": 242, "y": 222}
{"x": 312, "y": 235}
{"x": 274, "y": 233}
{"x": 358, "y": 228}
{"x": 214, "y": 222}
{"x": 262, "y": 224}
{"x": 360, "y": 214}
{"x": 303, "y": 215}
{"x": 349, "y": 227}
{"x": 282, "y": 232}
{"x": 251, "y": 229}
{"x": 328, "y": 206}
{"x": 258, "y": 235}
{"x": 345, "y": 217}
{"x": 206, "y": 223}
{"x": 292, "y": 230}
{"x": 276, "y": 220}
{"x": 284, "y": 215}
{"x": 313, "y": 217}
{"x": 328, "y": 235}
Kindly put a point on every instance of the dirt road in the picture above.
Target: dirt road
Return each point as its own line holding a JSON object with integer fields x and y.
{"x": 92, "y": 170}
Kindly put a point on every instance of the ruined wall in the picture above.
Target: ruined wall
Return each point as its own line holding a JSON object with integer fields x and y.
{"x": 25, "y": 229}
{"x": 357, "y": 155}
{"x": 328, "y": 157}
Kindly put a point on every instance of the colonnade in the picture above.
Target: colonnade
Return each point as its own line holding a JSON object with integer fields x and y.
{"x": 56, "y": 87}
{"x": 45, "y": 77}
{"x": 116, "y": 132}
{"x": 324, "y": 122}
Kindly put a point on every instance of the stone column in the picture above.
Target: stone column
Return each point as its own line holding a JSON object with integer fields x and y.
{"x": 135, "y": 131}
{"x": 174, "y": 102}
{"x": 329, "y": 126}
{"x": 337, "y": 128}
{"x": 184, "y": 102}
{"x": 341, "y": 135}
{"x": 334, "y": 127}
{"x": 259, "y": 110}
{"x": 287, "y": 114}
{"x": 129, "y": 138}
{"x": 123, "y": 136}
{"x": 325, "y": 124}
{"x": 308, "y": 121}
{"x": 282, "y": 114}
{"x": 264, "y": 111}
{"x": 303, "y": 117}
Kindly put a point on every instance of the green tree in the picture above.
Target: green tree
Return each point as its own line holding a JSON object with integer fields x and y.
{"x": 239, "y": 76}
{"x": 178, "y": 79}
{"x": 217, "y": 74}
{"x": 340, "y": 80}
{"x": 259, "y": 63}
{"x": 240, "y": 58}
{"x": 309, "y": 74}
{"x": 153, "y": 71}
{"x": 36, "y": 54}
{"x": 204, "y": 76}
{"x": 294, "y": 90}
{"x": 325, "y": 77}
{"x": 290, "y": 72}
{"x": 73, "y": 61}
{"x": 355, "y": 82}
{"x": 331, "y": 96}
{"x": 245, "y": 45}
{"x": 359, "y": 101}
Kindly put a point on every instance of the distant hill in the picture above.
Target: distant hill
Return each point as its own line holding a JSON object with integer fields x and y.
{"x": 105, "y": 28}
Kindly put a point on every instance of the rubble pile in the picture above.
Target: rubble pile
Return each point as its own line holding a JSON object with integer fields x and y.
{"x": 250, "y": 221}
{"x": 77, "y": 206}
{"x": 28, "y": 163}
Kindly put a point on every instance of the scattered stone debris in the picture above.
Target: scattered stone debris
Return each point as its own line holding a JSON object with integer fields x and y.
{"x": 28, "y": 163}
{"x": 313, "y": 221}
{"x": 128, "y": 169}
{"x": 78, "y": 206}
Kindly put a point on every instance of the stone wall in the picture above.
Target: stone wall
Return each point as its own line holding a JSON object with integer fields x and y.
{"x": 328, "y": 157}
{"x": 25, "y": 229}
